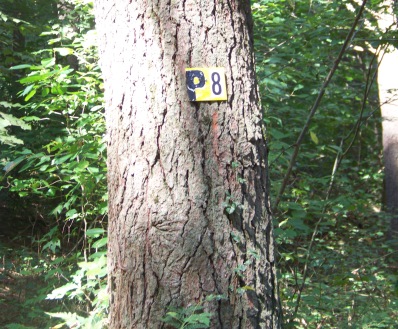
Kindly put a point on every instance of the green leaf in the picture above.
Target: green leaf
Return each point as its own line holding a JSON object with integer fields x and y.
{"x": 314, "y": 137}
{"x": 36, "y": 77}
{"x": 248, "y": 288}
{"x": 95, "y": 232}
{"x": 100, "y": 243}
{"x": 47, "y": 62}
{"x": 63, "y": 159}
{"x": 19, "y": 67}
{"x": 45, "y": 91}
{"x": 71, "y": 214}
{"x": 62, "y": 291}
{"x": 12, "y": 164}
{"x": 82, "y": 165}
{"x": 30, "y": 95}
{"x": 27, "y": 90}
{"x": 231, "y": 208}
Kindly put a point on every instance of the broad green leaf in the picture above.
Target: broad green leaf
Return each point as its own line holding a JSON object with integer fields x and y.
{"x": 27, "y": 90}
{"x": 70, "y": 213}
{"x": 30, "y": 95}
{"x": 63, "y": 159}
{"x": 94, "y": 232}
{"x": 48, "y": 62}
{"x": 19, "y": 67}
{"x": 82, "y": 165}
{"x": 100, "y": 243}
{"x": 36, "y": 77}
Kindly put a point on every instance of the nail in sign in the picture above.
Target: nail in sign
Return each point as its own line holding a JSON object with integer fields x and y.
{"x": 206, "y": 84}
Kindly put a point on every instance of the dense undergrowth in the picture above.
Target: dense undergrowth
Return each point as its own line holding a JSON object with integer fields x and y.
{"x": 337, "y": 269}
{"x": 59, "y": 172}
{"x": 336, "y": 266}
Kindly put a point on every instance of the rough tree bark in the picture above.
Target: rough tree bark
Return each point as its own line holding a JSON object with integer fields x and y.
{"x": 177, "y": 168}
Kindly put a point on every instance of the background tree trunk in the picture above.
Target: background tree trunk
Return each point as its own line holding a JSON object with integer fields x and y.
{"x": 387, "y": 73}
{"x": 387, "y": 83}
{"x": 177, "y": 168}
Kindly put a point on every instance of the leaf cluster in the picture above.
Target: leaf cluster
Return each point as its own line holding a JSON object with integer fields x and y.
{"x": 191, "y": 317}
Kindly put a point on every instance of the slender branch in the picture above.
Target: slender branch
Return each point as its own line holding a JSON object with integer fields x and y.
{"x": 316, "y": 105}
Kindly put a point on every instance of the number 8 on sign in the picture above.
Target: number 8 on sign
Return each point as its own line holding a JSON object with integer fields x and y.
{"x": 206, "y": 84}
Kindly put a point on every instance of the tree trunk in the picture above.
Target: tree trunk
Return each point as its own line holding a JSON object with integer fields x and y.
{"x": 188, "y": 183}
{"x": 387, "y": 82}
{"x": 387, "y": 73}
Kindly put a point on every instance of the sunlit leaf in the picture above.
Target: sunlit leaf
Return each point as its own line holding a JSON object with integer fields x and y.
{"x": 314, "y": 137}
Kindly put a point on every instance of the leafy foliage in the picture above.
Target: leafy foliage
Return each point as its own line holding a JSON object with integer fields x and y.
{"x": 7, "y": 120}
{"x": 192, "y": 317}
{"x": 328, "y": 223}
{"x": 61, "y": 165}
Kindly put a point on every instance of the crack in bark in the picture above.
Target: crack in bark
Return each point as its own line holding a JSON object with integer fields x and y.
{"x": 231, "y": 50}
{"x": 190, "y": 204}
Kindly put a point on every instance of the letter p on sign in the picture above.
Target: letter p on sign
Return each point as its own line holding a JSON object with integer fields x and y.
{"x": 206, "y": 84}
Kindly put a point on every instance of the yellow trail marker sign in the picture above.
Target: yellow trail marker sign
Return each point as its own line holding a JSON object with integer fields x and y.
{"x": 206, "y": 84}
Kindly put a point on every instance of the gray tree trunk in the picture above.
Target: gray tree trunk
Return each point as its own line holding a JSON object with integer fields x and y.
{"x": 177, "y": 169}
{"x": 390, "y": 137}
{"x": 388, "y": 94}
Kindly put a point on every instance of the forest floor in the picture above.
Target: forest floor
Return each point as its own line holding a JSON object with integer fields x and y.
{"x": 353, "y": 281}
{"x": 20, "y": 286}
